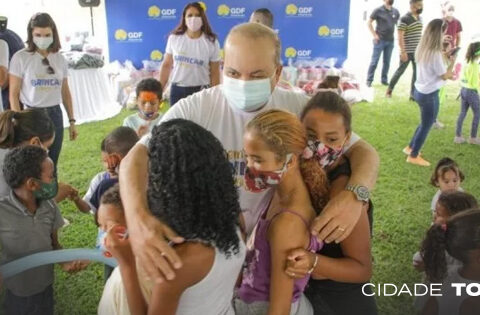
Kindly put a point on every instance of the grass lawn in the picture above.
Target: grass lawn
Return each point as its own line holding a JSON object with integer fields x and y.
{"x": 402, "y": 196}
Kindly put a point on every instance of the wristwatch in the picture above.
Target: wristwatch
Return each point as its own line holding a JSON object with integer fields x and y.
{"x": 361, "y": 192}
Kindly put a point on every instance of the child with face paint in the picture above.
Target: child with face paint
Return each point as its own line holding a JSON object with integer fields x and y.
{"x": 274, "y": 142}
{"x": 149, "y": 98}
{"x": 29, "y": 224}
{"x": 341, "y": 268}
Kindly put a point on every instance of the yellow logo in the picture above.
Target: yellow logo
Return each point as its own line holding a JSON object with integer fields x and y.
{"x": 222, "y": 54}
{"x": 323, "y": 31}
{"x": 203, "y": 5}
{"x": 120, "y": 34}
{"x": 156, "y": 55}
{"x": 291, "y": 9}
{"x": 290, "y": 52}
{"x": 223, "y": 10}
{"x": 154, "y": 11}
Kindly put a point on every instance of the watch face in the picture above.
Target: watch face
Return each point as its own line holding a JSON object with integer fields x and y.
{"x": 363, "y": 193}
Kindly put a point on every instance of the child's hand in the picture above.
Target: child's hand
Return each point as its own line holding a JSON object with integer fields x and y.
{"x": 64, "y": 191}
{"x": 118, "y": 245}
{"x": 142, "y": 130}
{"x": 73, "y": 194}
{"x": 299, "y": 263}
{"x": 74, "y": 266}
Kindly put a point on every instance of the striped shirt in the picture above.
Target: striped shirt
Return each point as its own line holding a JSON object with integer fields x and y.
{"x": 413, "y": 31}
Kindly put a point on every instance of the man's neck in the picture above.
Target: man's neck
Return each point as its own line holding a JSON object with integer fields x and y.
{"x": 388, "y": 6}
{"x": 27, "y": 199}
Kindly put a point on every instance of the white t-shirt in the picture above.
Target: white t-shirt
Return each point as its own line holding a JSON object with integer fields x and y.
{"x": 209, "y": 108}
{"x": 4, "y": 55}
{"x": 39, "y": 89}
{"x": 135, "y": 121}
{"x": 428, "y": 74}
{"x": 191, "y": 59}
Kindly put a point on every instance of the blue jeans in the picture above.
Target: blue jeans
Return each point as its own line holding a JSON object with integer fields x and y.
{"x": 469, "y": 99}
{"x": 179, "y": 92}
{"x": 385, "y": 47}
{"x": 428, "y": 104}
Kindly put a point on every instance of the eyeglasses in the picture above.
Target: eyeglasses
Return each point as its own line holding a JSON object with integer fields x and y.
{"x": 45, "y": 62}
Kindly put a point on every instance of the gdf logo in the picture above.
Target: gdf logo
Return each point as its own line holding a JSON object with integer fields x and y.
{"x": 292, "y": 10}
{"x": 325, "y": 31}
{"x": 224, "y": 10}
{"x": 155, "y": 12}
{"x": 291, "y": 52}
{"x": 156, "y": 55}
{"x": 122, "y": 35}
{"x": 203, "y": 5}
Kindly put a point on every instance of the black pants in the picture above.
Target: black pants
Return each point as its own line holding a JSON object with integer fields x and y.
{"x": 55, "y": 114}
{"x": 401, "y": 69}
{"x": 179, "y": 92}
{"x": 336, "y": 298}
{"x": 39, "y": 304}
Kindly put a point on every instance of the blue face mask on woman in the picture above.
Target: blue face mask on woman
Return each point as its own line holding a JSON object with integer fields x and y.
{"x": 248, "y": 96}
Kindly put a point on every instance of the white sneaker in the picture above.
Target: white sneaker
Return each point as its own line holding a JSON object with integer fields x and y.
{"x": 459, "y": 140}
{"x": 438, "y": 125}
{"x": 474, "y": 141}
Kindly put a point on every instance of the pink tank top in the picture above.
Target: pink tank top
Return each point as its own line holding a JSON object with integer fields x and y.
{"x": 256, "y": 276}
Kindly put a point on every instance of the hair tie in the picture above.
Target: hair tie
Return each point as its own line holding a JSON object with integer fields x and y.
{"x": 444, "y": 227}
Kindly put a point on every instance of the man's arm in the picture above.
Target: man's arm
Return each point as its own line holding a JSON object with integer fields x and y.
{"x": 459, "y": 39}
{"x": 372, "y": 30}
{"x": 147, "y": 234}
{"x": 342, "y": 212}
{"x": 401, "y": 45}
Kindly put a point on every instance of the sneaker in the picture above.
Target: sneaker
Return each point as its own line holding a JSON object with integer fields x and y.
{"x": 407, "y": 150}
{"x": 417, "y": 161}
{"x": 474, "y": 141}
{"x": 438, "y": 125}
{"x": 385, "y": 83}
{"x": 369, "y": 84}
{"x": 459, "y": 140}
{"x": 388, "y": 94}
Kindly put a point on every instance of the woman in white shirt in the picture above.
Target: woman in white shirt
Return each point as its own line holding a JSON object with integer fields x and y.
{"x": 432, "y": 72}
{"x": 192, "y": 56}
{"x": 38, "y": 78}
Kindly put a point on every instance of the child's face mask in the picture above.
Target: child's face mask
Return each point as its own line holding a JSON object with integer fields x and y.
{"x": 324, "y": 154}
{"x": 257, "y": 181}
{"x": 46, "y": 191}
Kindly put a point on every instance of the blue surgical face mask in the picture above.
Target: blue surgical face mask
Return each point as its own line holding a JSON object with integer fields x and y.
{"x": 100, "y": 243}
{"x": 248, "y": 96}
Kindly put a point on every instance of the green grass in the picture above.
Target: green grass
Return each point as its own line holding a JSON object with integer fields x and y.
{"x": 402, "y": 196}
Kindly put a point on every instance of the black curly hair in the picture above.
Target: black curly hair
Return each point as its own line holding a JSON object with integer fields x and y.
{"x": 457, "y": 201}
{"x": 191, "y": 186}
{"x": 150, "y": 85}
{"x": 457, "y": 237}
{"x": 22, "y": 163}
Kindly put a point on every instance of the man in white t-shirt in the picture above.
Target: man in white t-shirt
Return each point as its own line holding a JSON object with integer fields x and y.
{"x": 251, "y": 72}
{"x": 3, "y": 67}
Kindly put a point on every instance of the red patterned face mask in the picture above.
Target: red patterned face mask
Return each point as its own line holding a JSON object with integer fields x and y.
{"x": 257, "y": 181}
{"x": 325, "y": 155}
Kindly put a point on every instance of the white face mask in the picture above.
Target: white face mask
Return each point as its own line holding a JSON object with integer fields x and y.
{"x": 450, "y": 13}
{"x": 248, "y": 96}
{"x": 43, "y": 42}
{"x": 194, "y": 23}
